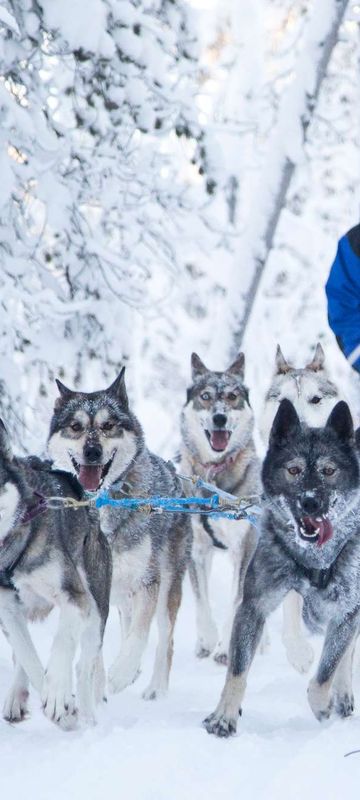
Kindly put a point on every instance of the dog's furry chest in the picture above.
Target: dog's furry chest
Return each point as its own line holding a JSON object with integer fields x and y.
{"x": 338, "y": 597}
{"x": 131, "y": 569}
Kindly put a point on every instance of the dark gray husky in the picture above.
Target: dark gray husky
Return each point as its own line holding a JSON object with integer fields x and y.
{"x": 309, "y": 542}
{"x": 98, "y": 438}
{"x": 50, "y": 558}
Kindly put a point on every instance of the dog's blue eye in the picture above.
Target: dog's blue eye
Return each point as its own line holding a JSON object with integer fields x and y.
{"x": 205, "y": 396}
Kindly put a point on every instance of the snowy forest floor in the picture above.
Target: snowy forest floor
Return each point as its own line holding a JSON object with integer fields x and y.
{"x": 159, "y": 751}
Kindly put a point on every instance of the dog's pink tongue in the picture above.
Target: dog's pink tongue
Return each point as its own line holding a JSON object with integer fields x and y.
{"x": 90, "y": 476}
{"x": 325, "y": 529}
{"x": 219, "y": 440}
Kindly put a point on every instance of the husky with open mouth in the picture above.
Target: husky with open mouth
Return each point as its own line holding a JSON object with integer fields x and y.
{"x": 313, "y": 395}
{"x": 97, "y": 437}
{"x": 217, "y": 445}
{"x": 51, "y": 557}
{"x": 309, "y": 542}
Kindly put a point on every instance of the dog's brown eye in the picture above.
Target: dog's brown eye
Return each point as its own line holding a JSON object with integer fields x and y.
{"x": 205, "y": 396}
{"x": 294, "y": 470}
{"x": 315, "y": 400}
{"x": 328, "y": 471}
{"x": 76, "y": 427}
{"x": 108, "y": 426}
{"x": 232, "y": 396}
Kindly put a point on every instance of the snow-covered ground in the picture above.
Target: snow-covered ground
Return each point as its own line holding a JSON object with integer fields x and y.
{"x": 159, "y": 751}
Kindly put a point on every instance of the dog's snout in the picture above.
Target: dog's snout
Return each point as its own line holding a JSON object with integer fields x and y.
{"x": 310, "y": 504}
{"x": 93, "y": 453}
{"x": 220, "y": 420}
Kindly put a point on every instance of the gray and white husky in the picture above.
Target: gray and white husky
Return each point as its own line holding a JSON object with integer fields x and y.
{"x": 98, "y": 438}
{"x": 50, "y": 558}
{"x": 217, "y": 445}
{"x": 314, "y": 395}
{"x": 309, "y": 542}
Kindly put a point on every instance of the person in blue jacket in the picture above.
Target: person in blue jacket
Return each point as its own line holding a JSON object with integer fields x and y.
{"x": 343, "y": 296}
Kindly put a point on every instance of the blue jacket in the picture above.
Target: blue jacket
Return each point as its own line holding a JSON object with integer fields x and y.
{"x": 343, "y": 295}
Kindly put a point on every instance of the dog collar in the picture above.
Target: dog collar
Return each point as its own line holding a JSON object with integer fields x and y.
{"x": 214, "y": 468}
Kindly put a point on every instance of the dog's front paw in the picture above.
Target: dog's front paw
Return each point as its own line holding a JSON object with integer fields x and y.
{"x": 220, "y": 725}
{"x": 221, "y": 656}
{"x": 16, "y": 705}
{"x": 320, "y": 700}
{"x": 121, "y": 675}
{"x": 59, "y": 703}
{"x": 206, "y": 642}
{"x": 344, "y": 704}
{"x": 153, "y": 692}
{"x": 300, "y": 653}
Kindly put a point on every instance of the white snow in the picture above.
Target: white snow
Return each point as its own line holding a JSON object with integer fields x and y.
{"x": 159, "y": 751}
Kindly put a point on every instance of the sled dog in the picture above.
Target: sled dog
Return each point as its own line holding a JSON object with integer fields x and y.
{"x": 98, "y": 438}
{"x": 50, "y": 558}
{"x": 217, "y": 445}
{"x": 314, "y": 395}
{"x": 309, "y": 542}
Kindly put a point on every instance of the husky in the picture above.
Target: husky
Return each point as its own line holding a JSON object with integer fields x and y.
{"x": 98, "y": 438}
{"x": 314, "y": 395}
{"x": 309, "y": 542}
{"x": 310, "y": 389}
{"x": 50, "y": 558}
{"x": 217, "y": 445}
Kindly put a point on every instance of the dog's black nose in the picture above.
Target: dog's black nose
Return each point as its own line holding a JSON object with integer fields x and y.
{"x": 93, "y": 453}
{"x": 310, "y": 504}
{"x": 220, "y": 420}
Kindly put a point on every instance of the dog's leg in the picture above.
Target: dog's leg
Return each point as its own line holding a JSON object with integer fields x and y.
{"x": 15, "y": 626}
{"x": 246, "y": 635}
{"x": 86, "y": 668}
{"x": 125, "y": 617}
{"x": 16, "y": 704}
{"x": 298, "y": 648}
{"x": 57, "y": 693}
{"x": 168, "y": 606}
{"x": 344, "y": 697}
{"x": 100, "y": 679}
{"x": 338, "y": 645}
{"x": 199, "y": 569}
{"x": 126, "y": 666}
{"x": 247, "y": 629}
{"x": 243, "y": 548}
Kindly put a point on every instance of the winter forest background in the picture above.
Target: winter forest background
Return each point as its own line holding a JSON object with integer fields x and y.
{"x": 174, "y": 176}
{"x": 143, "y": 150}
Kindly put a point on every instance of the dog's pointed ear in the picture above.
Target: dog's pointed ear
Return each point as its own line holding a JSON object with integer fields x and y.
{"x": 198, "y": 368}
{"x": 118, "y": 389}
{"x": 238, "y": 366}
{"x": 286, "y": 423}
{"x": 317, "y": 362}
{"x": 340, "y": 421}
{"x": 5, "y": 444}
{"x": 64, "y": 392}
{"x": 282, "y": 366}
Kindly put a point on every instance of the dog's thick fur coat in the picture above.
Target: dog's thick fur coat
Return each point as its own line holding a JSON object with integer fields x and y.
{"x": 97, "y": 437}
{"x": 309, "y": 542}
{"x": 217, "y": 445}
{"x": 53, "y": 558}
